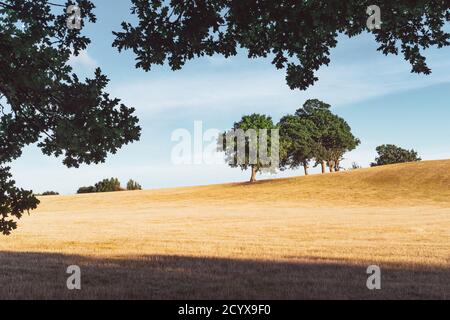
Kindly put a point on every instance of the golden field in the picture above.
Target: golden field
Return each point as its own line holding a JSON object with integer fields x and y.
{"x": 299, "y": 238}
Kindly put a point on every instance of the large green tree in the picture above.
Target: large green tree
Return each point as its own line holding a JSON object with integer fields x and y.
{"x": 330, "y": 134}
{"x": 296, "y": 34}
{"x": 43, "y": 102}
{"x": 297, "y": 136}
{"x": 251, "y": 143}
{"x": 337, "y": 141}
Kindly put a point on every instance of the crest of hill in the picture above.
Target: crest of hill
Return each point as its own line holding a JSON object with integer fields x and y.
{"x": 415, "y": 184}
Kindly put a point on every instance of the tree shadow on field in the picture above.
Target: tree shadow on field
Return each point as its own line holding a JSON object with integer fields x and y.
{"x": 43, "y": 276}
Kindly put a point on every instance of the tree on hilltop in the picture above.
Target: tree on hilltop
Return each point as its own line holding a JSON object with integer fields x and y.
{"x": 391, "y": 154}
{"x": 298, "y": 141}
{"x": 314, "y": 132}
{"x": 251, "y": 144}
{"x": 108, "y": 185}
{"x": 133, "y": 185}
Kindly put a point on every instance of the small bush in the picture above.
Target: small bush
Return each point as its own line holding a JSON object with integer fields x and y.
{"x": 89, "y": 189}
{"x": 48, "y": 193}
{"x": 355, "y": 166}
{"x": 108, "y": 185}
{"x": 133, "y": 185}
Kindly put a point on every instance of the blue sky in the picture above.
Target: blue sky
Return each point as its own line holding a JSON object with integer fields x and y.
{"x": 377, "y": 95}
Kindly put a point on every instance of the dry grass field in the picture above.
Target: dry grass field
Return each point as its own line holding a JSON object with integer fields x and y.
{"x": 299, "y": 238}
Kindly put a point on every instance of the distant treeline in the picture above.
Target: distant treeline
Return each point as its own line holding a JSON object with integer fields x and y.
{"x": 110, "y": 185}
{"x": 47, "y": 193}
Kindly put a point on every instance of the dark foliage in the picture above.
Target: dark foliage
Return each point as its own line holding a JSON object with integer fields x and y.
{"x": 90, "y": 189}
{"x": 50, "y": 193}
{"x": 42, "y": 102}
{"x": 391, "y": 154}
{"x": 133, "y": 185}
{"x": 314, "y": 132}
{"x": 298, "y": 34}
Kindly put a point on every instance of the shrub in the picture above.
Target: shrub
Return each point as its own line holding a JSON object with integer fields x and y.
{"x": 355, "y": 166}
{"x": 47, "y": 193}
{"x": 133, "y": 185}
{"x": 50, "y": 193}
{"x": 108, "y": 185}
{"x": 391, "y": 154}
{"x": 89, "y": 189}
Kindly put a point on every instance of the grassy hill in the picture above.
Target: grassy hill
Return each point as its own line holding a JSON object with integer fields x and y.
{"x": 420, "y": 183}
{"x": 303, "y": 237}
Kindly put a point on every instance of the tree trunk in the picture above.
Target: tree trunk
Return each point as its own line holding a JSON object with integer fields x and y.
{"x": 337, "y": 165}
{"x": 331, "y": 165}
{"x": 305, "y": 166}
{"x": 254, "y": 171}
{"x": 324, "y": 166}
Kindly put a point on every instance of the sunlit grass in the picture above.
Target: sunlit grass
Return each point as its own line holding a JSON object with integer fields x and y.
{"x": 397, "y": 216}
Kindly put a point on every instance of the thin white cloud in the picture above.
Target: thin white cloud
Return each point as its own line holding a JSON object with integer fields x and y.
{"x": 339, "y": 84}
{"x": 83, "y": 60}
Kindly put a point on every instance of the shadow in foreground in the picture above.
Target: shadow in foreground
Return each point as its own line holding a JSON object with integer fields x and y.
{"x": 43, "y": 276}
